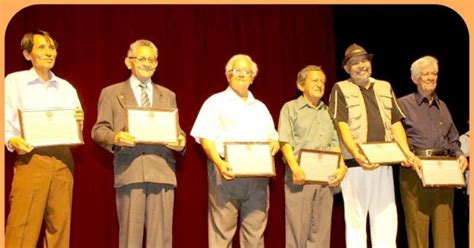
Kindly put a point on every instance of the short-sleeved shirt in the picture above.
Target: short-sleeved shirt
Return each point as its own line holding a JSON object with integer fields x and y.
{"x": 429, "y": 125}
{"x": 375, "y": 129}
{"x": 304, "y": 126}
{"x": 224, "y": 116}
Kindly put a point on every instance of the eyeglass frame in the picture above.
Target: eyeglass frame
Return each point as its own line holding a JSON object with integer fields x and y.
{"x": 239, "y": 71}
{"x": 143, "y": 59}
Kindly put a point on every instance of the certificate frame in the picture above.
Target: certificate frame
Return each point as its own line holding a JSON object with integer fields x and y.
{"x": 151, "y": 125}
{"x": 440, "y": 171}
{"x": 50, "y": 127}
{"x": 385, "y": 153}
{"x": 250, "y": 158}
{"x": 318, "y": 165}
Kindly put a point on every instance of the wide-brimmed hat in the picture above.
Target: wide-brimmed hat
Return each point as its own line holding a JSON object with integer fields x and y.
{"x": 355, "y": 50}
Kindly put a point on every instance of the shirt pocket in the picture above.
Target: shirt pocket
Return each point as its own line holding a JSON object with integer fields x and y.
{"x": 444, "y": 126}
{"x": 386, "y": 101}
{"x": 354, "y": 108}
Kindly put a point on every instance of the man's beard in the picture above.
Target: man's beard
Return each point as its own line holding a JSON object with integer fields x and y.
{"x": 361, "y": 80}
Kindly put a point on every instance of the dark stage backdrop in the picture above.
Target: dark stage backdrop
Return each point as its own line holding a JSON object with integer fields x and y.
{"x": 195, "y": 42}
{"x": 397, "y": 35}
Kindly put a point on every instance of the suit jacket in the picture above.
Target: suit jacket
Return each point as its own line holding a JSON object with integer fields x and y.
{"x": 142, "y": 163}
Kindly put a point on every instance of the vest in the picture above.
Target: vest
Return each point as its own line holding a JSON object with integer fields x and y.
{"x": 357, "y": 112}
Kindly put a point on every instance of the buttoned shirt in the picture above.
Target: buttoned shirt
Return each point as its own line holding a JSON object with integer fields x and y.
{"x": 226, "y": 117}
{"x": 137, "y": 90}
{"x": 304, "y": 126}
{"x": 25, "y": 90}
{"x": 429, "y": 125}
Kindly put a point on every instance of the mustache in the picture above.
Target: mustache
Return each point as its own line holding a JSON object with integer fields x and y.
{"x": 146, "y": 68}
{"x": 366, "y": 69}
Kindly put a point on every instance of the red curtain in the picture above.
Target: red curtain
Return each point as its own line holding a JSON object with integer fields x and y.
{"x": 194, "y": 44}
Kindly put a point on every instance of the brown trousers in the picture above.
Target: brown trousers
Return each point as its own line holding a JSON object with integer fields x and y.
{"x": 423, "y": 206}
{"x": 41, "y": 189}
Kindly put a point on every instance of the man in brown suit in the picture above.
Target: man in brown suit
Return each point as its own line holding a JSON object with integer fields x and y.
{"x": 144, "y": 174}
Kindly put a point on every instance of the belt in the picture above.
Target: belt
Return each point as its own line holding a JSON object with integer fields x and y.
{"x": 431, "y": 152}
{"x": 351, "y": 163}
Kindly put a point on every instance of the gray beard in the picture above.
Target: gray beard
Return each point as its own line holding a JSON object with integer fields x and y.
{"x": 361, "y": 81}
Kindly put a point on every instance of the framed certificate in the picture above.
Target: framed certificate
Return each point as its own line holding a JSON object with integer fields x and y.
{"x": 50, "y": 127}
{"x": 383, "y": 152}
{"x": 250, "y": 159}
{"x": 153, "y": 125}
{"x": 441, "y": 172}
{"x": 318, "y": 166}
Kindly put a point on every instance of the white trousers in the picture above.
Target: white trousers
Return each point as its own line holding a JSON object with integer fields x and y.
{"x": 372, "y": 192}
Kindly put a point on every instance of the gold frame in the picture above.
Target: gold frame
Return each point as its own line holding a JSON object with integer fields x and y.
{"x": 23, "y": 117}
{"x": 270, "y": 173}
{"x": 151, "y": 110}
{"x": 327, "y": 153}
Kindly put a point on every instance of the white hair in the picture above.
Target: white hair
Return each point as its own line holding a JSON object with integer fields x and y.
{"x": 141, "y": 43}
{"x": 422, "y": 63}
{"x": 253, "y": 65}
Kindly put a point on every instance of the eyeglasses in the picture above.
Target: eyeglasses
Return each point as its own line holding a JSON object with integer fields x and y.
{"x": 243, "y": 72}
{"x": 143, "y": 59}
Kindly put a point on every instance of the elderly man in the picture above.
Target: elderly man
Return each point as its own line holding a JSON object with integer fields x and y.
{"x": 365, "y": 110}
{"x": 144, "y": 173}
{"x": 235, "y": 115}
{"x": 431, "y": 132}
{"x": 43, "y": 181}
{"x": 305, "y": 124}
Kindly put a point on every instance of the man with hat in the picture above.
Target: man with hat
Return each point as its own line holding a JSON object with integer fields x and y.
{"x": 431, "y": 132}
{"x": 365, "y": 110}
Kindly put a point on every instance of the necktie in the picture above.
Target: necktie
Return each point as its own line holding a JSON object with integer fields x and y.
{"x": 145, "y": 102}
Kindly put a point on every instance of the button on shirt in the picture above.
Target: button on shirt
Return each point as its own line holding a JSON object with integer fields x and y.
{"x": 226, "y": 117}
{"x": 137, "y": 90}
{"x": 25, "y": 90}
{"x": 304, "y": 126}
{"x": 429, "y": 126}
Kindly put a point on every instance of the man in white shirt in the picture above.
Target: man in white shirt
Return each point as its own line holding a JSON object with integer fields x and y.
{"x": 43, "y": 182}
{"x": 235, "y": 115}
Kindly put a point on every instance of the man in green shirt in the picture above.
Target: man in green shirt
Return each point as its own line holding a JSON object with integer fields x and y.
{"x": 305, "y": 124}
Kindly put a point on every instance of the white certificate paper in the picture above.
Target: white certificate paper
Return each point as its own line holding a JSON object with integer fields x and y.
{"x": 50, "y": 127}
{"x": 250, "y": 159}
{"x": 153, "y": 125}
{"x": 318, "y": 166}
{"x": 383, "y": 152}
{"x": 441, "y": 172}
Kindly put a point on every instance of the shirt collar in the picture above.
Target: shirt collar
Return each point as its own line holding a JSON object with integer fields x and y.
{"x": 232, "y": 95}
{"x": 32, "y": 77}
{"x": 420, "y": 98}
{"x": 136, "y": 83}
{"x": 301, "y": 103}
